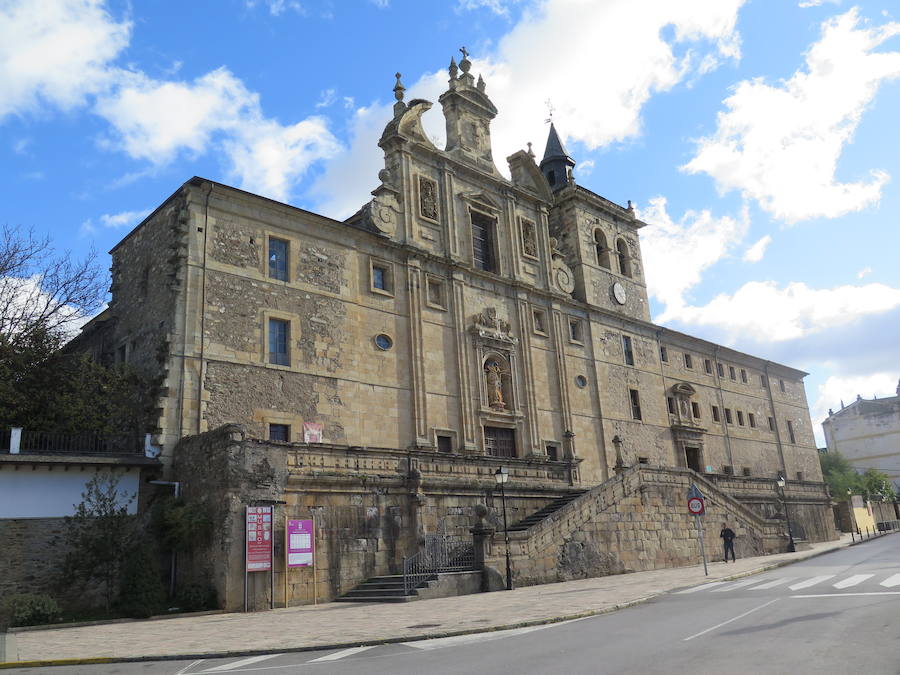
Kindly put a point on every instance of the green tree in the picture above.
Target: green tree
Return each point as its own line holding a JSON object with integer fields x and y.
{"x": 841, "y": 477}
{"x": 99, "y": 536}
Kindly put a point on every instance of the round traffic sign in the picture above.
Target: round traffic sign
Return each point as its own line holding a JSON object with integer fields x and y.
{"x": 696, "y": 506}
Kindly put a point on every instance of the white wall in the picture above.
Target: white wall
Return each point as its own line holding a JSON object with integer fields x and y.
{"x": 43, "y": 493}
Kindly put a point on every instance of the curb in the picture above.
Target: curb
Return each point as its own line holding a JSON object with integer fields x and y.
{"x": 413, "y": 638}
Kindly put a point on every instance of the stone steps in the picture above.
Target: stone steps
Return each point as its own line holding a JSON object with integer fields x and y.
{"x": 548, "y": 510}
{"x": 387, "y": 588}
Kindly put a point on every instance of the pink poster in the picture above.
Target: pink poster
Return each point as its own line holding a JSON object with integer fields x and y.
{"x": 259, "y": 538}
{"x": 312, "y": 432}
{"x": 301, "y": 543}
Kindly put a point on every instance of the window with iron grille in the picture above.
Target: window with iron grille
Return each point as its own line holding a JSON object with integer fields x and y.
{"x": 280, "y": 432}
{"x": 499, "y": 442}
{"x": 635, "y": 404}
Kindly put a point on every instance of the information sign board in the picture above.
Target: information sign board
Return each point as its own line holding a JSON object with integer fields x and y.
{"x": 301, "y": 543}
{"x": 259, "y": 538}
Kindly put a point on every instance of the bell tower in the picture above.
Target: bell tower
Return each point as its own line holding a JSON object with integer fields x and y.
{"x": 556, "y": 165}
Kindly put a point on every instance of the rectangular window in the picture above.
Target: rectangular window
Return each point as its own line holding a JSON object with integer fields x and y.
{"x": 721, "y": 369}
{"x": 695, "y": 409}
{"x": 643, "y": 460}
{"x": 278, "y": 259}
{"x": 791, "y": 432}
{"x": 483, "y": 242}
{"x": 745, "y": 470}
{"x": 752, "y": 419}
{"x": 382, "y": 278}
{"x": 781, "y": 385}
{"x": 740, "y": 416}
{"x": 629, "y": 354}
{"x": 800, "y": 475}
{"x": 280, "y": 432}
{"x": 444, "y": 443}
{"x": 731, "y": 373}
{"x": 552, "y": 452}
{"x": 663, "y": 354}
{"x": 279, "y": 337}
{"x": 707, "y": 366}
{"x": 743, "y": 376}
{"x": 500, "y": 442}
{"x": 575, "y": 330}
{"x": 762, "y": 381}
{"x": 771, "y": 424}
{"x": 635, "y": 404}
{"x": 728, "y": 419}
{"x": 728, "y": 470}
{"x": 539, "y": 322}
{"x": 688, "y": 361}
{"x": 715, "y": 413}
{"x": 670, "y": 404}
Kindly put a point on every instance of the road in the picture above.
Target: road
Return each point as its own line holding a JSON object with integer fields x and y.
{"x": 837, "y": 613}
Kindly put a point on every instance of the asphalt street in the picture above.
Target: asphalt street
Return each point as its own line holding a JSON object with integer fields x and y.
{"x": 836, "y": 613}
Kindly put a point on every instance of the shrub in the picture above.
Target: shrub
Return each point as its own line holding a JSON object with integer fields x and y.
{"x": 30, "y": 609}
{"x": 197, "y": 597}
{"x": 141, "y": 593}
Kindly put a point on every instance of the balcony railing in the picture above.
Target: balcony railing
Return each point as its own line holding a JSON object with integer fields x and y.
{"x": 29, "y": 441}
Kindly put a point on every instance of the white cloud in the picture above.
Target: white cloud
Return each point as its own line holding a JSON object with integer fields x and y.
{"x": 817, "y": 3}
{"x": 761, "y": 311}
{"x": 278, "y": 7}
{"x": 676, "y": 254}
{"x": 780, "y": 144}
{"x": 756, "y": 252}
{"x": 156, "y": 120}
{"x": 585, "y": 167}
{"x": 594, "y": 105}
{"x": 499, "y": 7}
{"x": 123, "y": 219}
{"x": 839, "y": 388}
{"x": 56, "y": 52}
{"x": 864, "y": 272}
{"x": 21, "y": 146}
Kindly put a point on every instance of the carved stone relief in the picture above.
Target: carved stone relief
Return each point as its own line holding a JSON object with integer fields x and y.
{"x": 529, "y": 238}
{"x": 428, "y": 200}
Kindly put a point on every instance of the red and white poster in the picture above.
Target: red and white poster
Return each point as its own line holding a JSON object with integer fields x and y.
{"x": 312, "y": 432}
{"x": 259, "y": 538}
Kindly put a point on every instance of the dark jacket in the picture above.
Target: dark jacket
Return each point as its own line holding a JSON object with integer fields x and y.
{"x": 727, "y": 534}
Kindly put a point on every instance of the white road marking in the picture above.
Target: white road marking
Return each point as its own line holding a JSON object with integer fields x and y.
{"x": 852, "y": 581}
{"x": 811, "y": 582}
{"x": 456, "y": 640}
{"x": 772, "y": 584}
{"x": 725, "y": 623}
{"x": 189, "y": 666}
{"x": 703, "y": 587}
{"x": 341, "y": 654}
{"x": 241, "y": 663}
{"x": 844, "y": 595}
{"x": 735, "y": 585}
{"x": 891, "y": 581}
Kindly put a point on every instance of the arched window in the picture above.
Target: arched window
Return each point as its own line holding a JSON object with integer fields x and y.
{"x": 601, "y": 248}
{"x": 624, "y": 262}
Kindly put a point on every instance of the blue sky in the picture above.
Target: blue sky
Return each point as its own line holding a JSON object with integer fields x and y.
{"x": 758, "y": 138}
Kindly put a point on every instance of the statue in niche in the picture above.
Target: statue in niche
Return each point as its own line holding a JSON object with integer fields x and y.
{"x": 529, "y": 239}
{"x": 428, "y": 198}
{"x": 493, "y": 375}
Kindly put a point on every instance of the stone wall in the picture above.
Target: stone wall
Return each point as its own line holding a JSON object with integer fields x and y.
{"x": 31, "y": 555}
{"x": 637, "y": 521}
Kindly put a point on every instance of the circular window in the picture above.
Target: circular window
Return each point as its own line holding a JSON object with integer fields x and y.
{"x": 581, "y": 381}
{"x": 383, "y": 342}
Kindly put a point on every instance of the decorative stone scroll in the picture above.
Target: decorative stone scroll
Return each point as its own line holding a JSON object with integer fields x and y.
{"x": 428, "y": 200}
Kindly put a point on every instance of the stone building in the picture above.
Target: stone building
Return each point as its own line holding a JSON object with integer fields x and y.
{"x": 867, "y": 433}
{"x": 457, "y": 321}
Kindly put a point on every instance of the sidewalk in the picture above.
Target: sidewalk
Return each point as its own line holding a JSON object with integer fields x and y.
{"x": 336, "y": 625}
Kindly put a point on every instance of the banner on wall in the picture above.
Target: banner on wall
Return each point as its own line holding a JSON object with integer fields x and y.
{"x": 301, "y": 543}
{"x": 312, "y": 432}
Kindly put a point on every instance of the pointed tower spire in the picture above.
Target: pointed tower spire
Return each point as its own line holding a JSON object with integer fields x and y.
{"x": 556, "y": 165}
{"x": 399, "y": 89}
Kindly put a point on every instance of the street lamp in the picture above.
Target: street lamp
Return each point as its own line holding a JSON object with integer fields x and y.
{"x": 619, "y": 466}
{"x": 501, "y": 475}
{"x": 780, "y": 482}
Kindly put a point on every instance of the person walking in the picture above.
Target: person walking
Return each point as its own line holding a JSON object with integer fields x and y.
{"x": 728, "y": 536}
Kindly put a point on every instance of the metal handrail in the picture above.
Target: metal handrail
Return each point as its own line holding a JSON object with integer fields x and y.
{"x": 56, "y": 442}
{"x": 440, "y": 553}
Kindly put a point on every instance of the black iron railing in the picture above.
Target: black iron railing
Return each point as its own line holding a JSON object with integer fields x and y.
{"x": 440, "y": 553}
{"x": 54, "y": 442}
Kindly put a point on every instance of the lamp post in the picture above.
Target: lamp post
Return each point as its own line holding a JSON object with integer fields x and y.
{"x": 501, "y": 475}
{"x": 780, "y": 482}
{"x": 619, "y": 466}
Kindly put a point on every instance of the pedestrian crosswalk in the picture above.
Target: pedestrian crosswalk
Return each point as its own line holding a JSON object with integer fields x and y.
{"x": 823, "y": 581}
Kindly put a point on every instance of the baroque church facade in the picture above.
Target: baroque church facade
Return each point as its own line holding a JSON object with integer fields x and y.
{"x": 458, "y": 314}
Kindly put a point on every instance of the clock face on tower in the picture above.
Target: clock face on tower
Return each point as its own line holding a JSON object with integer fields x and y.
{"x": 618, "y": 291}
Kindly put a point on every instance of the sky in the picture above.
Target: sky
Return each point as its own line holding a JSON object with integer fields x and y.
{"x": 757, "y": 138}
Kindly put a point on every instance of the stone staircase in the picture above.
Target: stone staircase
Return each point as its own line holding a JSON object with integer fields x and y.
{"x": 388, "y": 588}
{"x": 546, "y": 512}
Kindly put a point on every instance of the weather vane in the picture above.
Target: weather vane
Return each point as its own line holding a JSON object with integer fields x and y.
{"x": 550, "y": 110}
{"x": 465, "y": 52}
